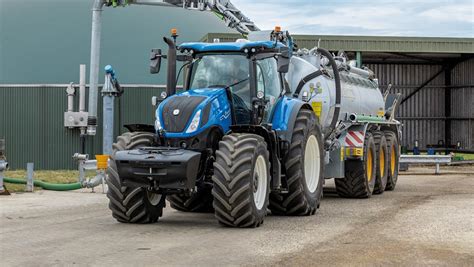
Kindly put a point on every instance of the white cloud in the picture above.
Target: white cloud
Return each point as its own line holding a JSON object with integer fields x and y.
{"x": 368, "y": 17}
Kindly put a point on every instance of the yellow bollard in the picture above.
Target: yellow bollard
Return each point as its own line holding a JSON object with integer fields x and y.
{"x": 102, "y": 161}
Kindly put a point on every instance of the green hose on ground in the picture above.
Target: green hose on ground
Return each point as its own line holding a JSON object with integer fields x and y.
{"x": 46, "y": 186}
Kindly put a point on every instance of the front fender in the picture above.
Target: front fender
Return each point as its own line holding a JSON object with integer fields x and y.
{"x": 284, "y": 116}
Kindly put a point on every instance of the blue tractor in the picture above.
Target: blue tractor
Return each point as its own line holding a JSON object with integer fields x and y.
{"x": 234, "y": 141}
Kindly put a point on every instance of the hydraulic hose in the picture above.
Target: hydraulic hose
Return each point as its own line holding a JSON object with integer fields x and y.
{"x": 337, "y": 79}
{"x": 46, "y": 186}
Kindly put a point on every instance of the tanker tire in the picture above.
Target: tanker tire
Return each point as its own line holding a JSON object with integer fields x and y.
{"x": 300, "y": 201}
{"x": 234, "y": 181}
{"x": 382, "y": 154}
{"x": 200, "y": 201}
{"x": 392, "y": 143}
{"x": 132, "y": 204}
{"x": 356, "y": 183}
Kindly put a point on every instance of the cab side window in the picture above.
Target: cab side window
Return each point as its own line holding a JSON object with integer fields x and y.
{"x": 268, "y": 81}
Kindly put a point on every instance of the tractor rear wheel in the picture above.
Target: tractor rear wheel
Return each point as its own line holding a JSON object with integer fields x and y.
{"x": 131, "y": 204}
{"x": 382, "y": 162}
{"x": 304, "y": 168}
{"x": 241, "y": 180}
{"x": 359, "y": 181}
{"x": 394, "y": 158}
{"x": 199, "y": 201}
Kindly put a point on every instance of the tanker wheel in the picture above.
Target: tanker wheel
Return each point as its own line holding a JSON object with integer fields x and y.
{"x": 359, "y": 181}
{"x": 382, "y": 162}
{"x": 199, "y": 201}
{"x": 131, "y": 204}
{"x": 241, "y": 180}
{"x": 394, "y": 157}
{"x": 304, "y": 169}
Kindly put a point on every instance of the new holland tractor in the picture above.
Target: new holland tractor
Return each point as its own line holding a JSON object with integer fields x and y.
{"x": 258, "y": 126}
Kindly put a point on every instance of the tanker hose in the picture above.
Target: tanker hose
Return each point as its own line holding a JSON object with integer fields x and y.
{"x": 46, "y": 186}
{"x": 337, "y": 79}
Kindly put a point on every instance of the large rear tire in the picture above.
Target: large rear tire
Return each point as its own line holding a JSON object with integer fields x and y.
{"x": 304, "y": 168}
{"x": 359, "y": 181}
{"x": 199, "y": 201}
{"x": 132, "y": 204}
{"x": 241, "y": 180}
{"x": 382, "y": 162}
{"x": 394, "y": 156}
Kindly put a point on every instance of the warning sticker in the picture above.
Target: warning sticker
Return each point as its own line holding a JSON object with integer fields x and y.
{"x": 317, "y": 108}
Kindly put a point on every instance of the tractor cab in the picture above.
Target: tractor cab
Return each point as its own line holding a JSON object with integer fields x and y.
{"x": 225, "y": 84}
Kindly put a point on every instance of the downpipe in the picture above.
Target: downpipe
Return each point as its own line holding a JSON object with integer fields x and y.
{"x": 94, "y": 67}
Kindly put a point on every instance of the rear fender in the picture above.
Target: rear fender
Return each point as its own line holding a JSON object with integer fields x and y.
{"x": 284, "y": 116}
{"x": 352, "y": 141}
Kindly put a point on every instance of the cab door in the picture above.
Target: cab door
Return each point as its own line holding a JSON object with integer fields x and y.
{"x": 268, "y": 82}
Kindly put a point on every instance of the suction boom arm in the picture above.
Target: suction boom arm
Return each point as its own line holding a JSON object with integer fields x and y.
{"x": 233, "y": 17}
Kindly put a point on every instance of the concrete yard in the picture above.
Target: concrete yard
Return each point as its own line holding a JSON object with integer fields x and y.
{"x": 427, "y": 220}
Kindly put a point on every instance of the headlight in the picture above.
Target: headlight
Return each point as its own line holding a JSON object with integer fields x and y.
{"x": 158, "y": 124}
{"x": 194, "y": 123}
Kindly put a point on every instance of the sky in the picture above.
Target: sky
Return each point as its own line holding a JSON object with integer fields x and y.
{"x": 433, "y": 18}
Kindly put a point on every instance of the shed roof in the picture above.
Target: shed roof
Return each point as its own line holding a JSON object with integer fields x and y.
{"x": 372, "y": 43}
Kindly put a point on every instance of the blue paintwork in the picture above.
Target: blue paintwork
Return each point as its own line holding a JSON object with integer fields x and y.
{"x": 283, "y": 111}
{"x": 219, "y": 116}
{"x": 110, "y": 70}
{"x": 230, "y": 47}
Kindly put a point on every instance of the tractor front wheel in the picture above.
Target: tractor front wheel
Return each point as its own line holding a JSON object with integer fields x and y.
{"x": 241, "y": 180}
{"x": 131, "y": 204}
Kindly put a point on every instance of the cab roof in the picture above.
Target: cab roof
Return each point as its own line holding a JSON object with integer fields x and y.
{"x": 231, "y": 47}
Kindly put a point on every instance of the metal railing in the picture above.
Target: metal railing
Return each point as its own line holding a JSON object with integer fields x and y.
{"x": 426, "y": 159}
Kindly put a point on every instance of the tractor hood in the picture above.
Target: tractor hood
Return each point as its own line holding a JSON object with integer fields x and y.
{"x": 190, "y": 113}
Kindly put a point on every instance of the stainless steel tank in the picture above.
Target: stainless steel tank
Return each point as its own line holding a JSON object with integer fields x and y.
{"x": 360, "y": 92}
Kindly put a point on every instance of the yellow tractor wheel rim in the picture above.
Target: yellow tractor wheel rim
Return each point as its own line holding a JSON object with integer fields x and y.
{"x": 393, "y": 160}
{"x": 382, "y": 162}
{"x": 370, "y": 164}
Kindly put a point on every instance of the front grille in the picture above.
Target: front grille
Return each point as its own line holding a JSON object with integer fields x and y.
{"x": 186, "y": 106}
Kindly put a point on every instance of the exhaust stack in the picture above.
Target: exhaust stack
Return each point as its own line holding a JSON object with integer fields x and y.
{"x": 171, "y": 80}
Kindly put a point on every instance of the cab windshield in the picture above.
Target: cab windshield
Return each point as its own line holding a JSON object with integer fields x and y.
{"x": 225, "y": 71}
{"x": 213, "y": 71}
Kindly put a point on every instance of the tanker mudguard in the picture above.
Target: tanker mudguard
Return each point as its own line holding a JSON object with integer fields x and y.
{"x": 284, "y": 116}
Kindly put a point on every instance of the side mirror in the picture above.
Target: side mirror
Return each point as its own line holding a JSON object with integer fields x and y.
{"x": 155, "y": 61}
{"x": 283, "y": 64}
